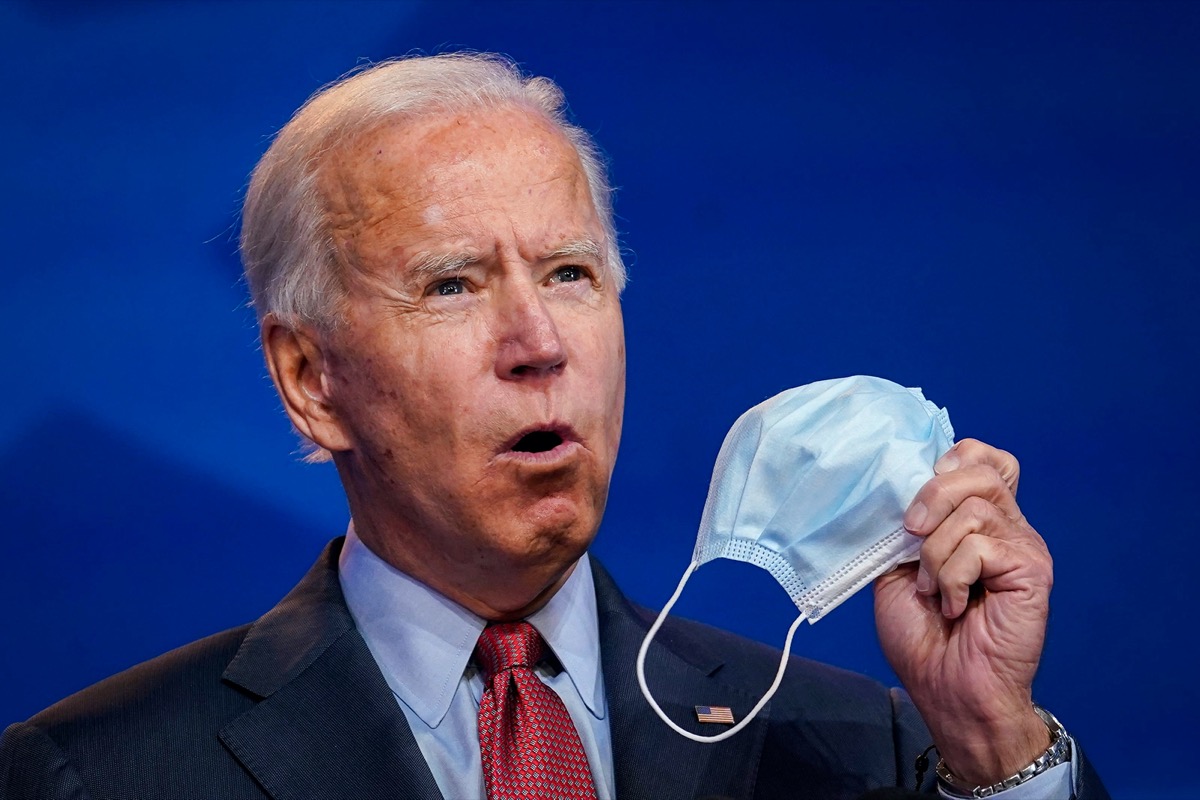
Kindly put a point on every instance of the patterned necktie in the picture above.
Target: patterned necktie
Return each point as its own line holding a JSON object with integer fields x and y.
{"x": 529, "y": 747}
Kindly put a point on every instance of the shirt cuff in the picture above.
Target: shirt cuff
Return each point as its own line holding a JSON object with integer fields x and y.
{"x": 1056, "y": 783}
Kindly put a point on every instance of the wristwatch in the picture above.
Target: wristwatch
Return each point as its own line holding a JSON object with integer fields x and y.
{"x": 1059, "y": 752}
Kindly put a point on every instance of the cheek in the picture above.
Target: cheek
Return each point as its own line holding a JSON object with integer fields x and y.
{"x": 438, "y": 382}
{"x": 600, "y": 354}
{"x": 606, "y": 351}
{"x": 382, "y": 388}
{"x": 426, "y": 393}
{"x": 616, "y": 350}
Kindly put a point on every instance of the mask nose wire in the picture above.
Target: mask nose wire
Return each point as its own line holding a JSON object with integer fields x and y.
{"x": 641, "y": 670}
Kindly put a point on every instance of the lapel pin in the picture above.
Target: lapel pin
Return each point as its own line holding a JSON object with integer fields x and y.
{"x": 722, "y": 715}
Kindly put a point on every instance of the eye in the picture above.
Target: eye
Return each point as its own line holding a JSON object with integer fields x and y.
{"x": 567, "y": 274}
{"x": 448, "y": 287}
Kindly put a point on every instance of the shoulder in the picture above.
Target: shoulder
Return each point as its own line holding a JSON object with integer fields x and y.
{"x": 153, "y": 726}
{"x": 155, "y": 730}
{"x": 153, "y": 695}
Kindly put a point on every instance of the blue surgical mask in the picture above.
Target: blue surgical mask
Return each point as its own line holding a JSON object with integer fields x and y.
{"x": 812, "y": 486}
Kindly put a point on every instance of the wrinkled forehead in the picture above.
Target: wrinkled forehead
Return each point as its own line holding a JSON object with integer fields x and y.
{"x": 427, "y": 169}
{"x": 454, "y": 184}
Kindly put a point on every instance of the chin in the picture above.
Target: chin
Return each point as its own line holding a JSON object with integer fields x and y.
{"x": 553, "y": 531}
{"x": 530, "y": 561}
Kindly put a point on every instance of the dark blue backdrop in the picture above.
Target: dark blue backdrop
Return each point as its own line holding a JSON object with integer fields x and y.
{"x": 997, "y": 202}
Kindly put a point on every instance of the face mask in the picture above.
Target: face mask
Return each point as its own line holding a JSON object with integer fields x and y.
{"x": 812, "y": 486}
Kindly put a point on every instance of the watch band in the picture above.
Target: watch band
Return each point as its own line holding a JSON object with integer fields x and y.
{"x": 1059, "y": 752}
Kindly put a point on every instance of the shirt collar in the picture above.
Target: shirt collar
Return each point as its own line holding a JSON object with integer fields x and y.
{"x": 423, "y": 641}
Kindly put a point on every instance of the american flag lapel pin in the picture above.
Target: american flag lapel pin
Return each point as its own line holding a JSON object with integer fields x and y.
{"x": 722, "y": 715}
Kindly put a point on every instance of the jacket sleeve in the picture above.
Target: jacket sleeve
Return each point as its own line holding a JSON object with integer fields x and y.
{"x": 911, "y": 738}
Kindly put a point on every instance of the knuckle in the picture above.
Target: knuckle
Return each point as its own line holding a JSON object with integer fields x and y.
{"x": 994, "y": 483}
{"x": 975, "y": 451}
{"x": 977, "y": 542}
{"x": 980, "y": 511}
{"x": 969, "y": 444}
{"x": 994, "y": 477}
{"x": 1005, "y": 463}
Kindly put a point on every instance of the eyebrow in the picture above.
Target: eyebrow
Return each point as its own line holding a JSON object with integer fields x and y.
{"x": 578, "y": 247}
{"x": 432, "y": 265}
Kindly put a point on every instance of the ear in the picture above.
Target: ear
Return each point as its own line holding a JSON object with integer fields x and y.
{"x": 296, "y": 359}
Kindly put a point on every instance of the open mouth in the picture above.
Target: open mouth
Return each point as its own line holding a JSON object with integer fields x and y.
{"x": 538, "y": 442}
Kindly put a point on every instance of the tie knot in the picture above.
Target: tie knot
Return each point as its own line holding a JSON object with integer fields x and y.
{"x": 504, "y": 645}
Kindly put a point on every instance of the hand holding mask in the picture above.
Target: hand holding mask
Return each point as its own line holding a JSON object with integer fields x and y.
{"x": 812, "y": 486}
{"x": 831, "y": 485}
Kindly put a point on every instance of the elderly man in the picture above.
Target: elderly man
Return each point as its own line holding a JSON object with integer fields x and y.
{"x": 431, "y": 251}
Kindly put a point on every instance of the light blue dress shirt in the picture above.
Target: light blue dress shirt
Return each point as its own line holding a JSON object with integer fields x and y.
{"x": 423, "y": 642}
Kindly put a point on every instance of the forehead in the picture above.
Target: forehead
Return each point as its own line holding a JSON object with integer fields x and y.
{"x": 453, "y": 176}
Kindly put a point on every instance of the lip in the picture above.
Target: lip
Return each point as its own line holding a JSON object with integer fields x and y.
{"x": 569, "y": 446}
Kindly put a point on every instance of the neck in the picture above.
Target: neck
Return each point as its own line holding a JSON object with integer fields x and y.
{"x": 494, "y": 588}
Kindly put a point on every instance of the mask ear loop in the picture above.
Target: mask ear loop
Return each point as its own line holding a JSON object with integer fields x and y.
{"x": 641, "y": 670}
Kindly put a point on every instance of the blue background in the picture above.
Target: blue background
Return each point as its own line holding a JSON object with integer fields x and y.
{"x": 995, "y": 201}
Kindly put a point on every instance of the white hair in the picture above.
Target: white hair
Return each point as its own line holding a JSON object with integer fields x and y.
{"x": 287, "y": 250}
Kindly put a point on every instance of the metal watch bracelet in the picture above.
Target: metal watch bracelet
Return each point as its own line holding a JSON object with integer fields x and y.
{"x": 1059, "y": 752}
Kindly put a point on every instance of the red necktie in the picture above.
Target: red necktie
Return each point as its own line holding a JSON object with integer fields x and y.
{"x": 529, "y": 747}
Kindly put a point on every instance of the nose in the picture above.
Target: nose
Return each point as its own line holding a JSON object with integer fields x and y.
{"x": 529, "y": 344}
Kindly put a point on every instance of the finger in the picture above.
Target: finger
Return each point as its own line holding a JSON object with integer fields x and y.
{"x": 958, "y": 575}
{"x": 941, "y": 494}
{"x": 973, "y": 516}
{"x": 995, "y": 565}
{"x": 972, "y": 451}
{"x": 977, "y": 558}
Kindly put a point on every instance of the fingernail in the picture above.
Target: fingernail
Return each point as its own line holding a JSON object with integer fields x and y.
{"x": 947, "y": 611}
{"x": 923, "y": 581}
{"x": 947, "y": 463}
{"x": 914, "y": 518}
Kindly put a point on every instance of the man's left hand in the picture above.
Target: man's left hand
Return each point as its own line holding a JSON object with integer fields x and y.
{"x": 964, "y": 629}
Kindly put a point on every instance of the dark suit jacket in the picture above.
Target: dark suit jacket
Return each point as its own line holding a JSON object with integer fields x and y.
{"x": 293, "y": 706}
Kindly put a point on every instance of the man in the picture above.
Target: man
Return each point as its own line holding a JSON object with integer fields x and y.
{"x": 431, "y": 253}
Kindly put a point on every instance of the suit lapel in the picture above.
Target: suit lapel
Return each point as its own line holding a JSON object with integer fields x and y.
{"x": 650, "y": 760}
{"x": 327, "y": 724}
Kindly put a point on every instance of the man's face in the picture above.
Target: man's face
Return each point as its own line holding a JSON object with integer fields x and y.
{"x": 480, "y": 375}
